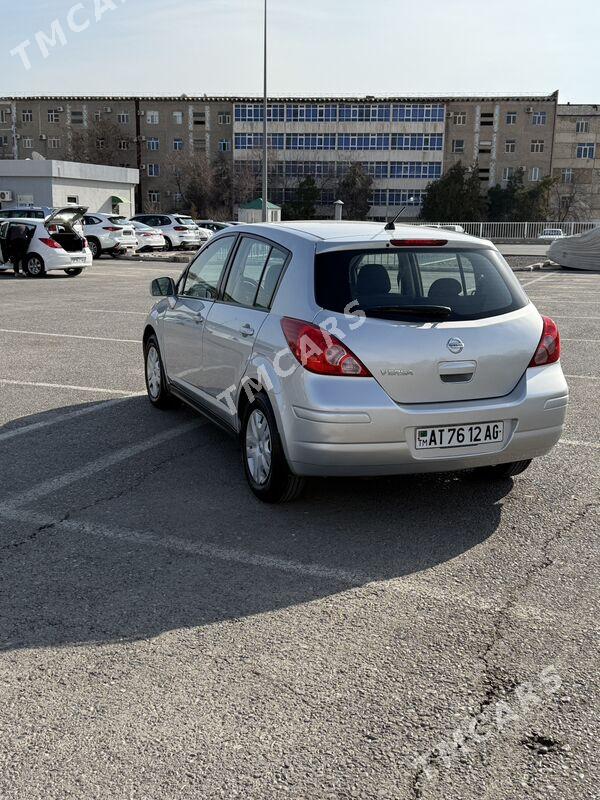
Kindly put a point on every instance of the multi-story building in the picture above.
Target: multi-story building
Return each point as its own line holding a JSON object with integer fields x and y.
{"x": 576, "y": 162}
{"x": 403, "y": 143}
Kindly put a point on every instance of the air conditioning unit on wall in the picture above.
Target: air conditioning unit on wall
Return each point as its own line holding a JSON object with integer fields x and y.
{"x": 6, "y": 196}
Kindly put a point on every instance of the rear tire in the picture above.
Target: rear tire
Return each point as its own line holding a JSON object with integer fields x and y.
{"x": 34, "y": 266}
{"x": 95, "y": 248}
{"x": 73, "y": 272}
{"x": 265, "y": 466}
{"x": 156, "y": 383}
{"x": 500, "y": 471}
{"x": 168, "y": 245}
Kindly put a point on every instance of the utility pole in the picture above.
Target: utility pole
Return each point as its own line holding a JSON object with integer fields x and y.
{"x": 265, "y": 179}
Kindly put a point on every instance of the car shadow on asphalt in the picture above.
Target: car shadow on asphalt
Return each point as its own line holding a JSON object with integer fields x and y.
{"x": 180, "y": 542}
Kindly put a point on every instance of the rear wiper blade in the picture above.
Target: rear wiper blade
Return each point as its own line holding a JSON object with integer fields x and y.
{"x": 418, "y": 311}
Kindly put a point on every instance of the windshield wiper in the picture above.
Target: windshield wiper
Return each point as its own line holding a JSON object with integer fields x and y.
{"x": 439, "y": 312}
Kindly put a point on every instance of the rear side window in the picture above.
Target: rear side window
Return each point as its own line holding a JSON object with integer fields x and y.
{"x": 246, "y": 272}
{"x": 422, "y": 283}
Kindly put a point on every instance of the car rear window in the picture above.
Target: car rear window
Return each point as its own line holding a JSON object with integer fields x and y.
{"x": 424, "y": 283}
{"x": 185, "y": 221}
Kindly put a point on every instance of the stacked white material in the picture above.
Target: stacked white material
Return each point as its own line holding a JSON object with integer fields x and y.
{"x": 577, "y": 252}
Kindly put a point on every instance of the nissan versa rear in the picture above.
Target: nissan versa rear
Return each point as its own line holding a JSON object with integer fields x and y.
{"x": 348, "y": 349}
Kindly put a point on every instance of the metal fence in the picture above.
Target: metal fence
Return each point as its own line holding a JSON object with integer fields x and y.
{"x": 518, "y": 230}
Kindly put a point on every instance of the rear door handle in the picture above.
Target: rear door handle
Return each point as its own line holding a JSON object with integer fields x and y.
{"x": 247, "y": 330}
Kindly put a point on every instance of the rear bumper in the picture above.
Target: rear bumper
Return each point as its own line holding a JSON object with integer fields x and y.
{"x": 363, "y": 432}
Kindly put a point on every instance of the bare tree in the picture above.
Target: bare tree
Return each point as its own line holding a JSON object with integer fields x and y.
{"x": 102, "y": 143}
{"x": 569, "y": 202}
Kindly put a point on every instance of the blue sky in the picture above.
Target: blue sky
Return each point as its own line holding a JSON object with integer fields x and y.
{"x": 317, "y": 47}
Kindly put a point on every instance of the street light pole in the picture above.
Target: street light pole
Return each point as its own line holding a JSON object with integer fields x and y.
{"x": 265, "y": 180}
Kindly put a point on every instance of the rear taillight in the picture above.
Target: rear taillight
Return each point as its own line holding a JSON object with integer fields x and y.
{"x": 318, "y": 351}
{"x": 180, "y": 228}
{"x": 51, "y": 243}
{"x": 548, "y": 350}
{"x": 112, "y": 228}
{"x": 85, "y": 243}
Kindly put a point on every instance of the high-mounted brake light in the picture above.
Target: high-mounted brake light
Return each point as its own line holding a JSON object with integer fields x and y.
{"x": 51, "y": 243}
{"x": 320, "y": 352}
{"x": 418, "y": 242}
{"x": 548, "y": 350}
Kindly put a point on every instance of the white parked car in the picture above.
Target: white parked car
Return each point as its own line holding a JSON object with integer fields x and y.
{"x": 550, "y": 234}
{"x": 179, "y": 230}
{"x": 54, "y": 243}
{"x": 109, "y": 234}
{"x": 147, "y": 238}
{"x": 345, "y": 349}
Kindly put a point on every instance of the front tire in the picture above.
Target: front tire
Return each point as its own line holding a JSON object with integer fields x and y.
{"x": 34, "y": 266}
{"x": 156, "y": 383}
{"x": 265, "y": 466}
{"x": 501, "y": 471}
{"x": 73, "y": 272}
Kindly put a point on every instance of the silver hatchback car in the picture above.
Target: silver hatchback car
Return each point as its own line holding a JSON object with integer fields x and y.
{"x": 347, "y": 349}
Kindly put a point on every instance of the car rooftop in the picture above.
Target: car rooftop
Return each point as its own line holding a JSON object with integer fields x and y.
{"x": 333, "y": 231}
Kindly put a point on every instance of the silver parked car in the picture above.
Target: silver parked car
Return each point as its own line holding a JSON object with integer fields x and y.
{"x": 349, "y": 349}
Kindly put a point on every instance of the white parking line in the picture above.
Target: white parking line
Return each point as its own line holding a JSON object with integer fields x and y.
{"x": 583, "y": 377}
{"x": 113, "y": 311}
{"x": 578, "y": 340}
{"x": 536, "y": 280}
{"x": 109, "y": 460}
{"x": 570, "y": 316}
{"x": 58, "y": 418}
{"x": 95, "y": 389}
{"x": 69, "y": 336}
{"x": 192, "y": 547}
{"x": 579, "y": 443}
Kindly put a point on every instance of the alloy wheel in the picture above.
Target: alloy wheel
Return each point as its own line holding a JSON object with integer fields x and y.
{"x": 258, "y": 447}
{"x": 35, "y": 266}
{"x": 153, "y": 373}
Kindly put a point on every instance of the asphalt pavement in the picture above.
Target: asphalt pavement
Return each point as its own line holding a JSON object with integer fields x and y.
{"x": 164, "y": 635}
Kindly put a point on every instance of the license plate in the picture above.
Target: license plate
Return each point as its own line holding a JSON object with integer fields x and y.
{"x": 77, "y": 259}
{"x": 459, "y": 435}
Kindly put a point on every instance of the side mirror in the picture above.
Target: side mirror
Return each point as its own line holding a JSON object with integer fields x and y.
{"x": 162, "y": 287}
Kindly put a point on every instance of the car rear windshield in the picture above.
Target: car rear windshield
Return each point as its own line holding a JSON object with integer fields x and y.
{"x": 118, "y": 220}
{"x": 424, "y": 283}
{"x": 185, "y": 221}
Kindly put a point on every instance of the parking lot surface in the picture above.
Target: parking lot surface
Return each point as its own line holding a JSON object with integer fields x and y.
{"x": 164, "y": 635}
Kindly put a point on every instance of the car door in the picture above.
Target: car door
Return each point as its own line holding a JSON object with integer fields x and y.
{"x": 236, "y": 317}
{"x": 184, "y": 319}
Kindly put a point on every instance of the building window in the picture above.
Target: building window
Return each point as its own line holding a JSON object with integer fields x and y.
{"x": 97, "y": 116}
{"x": 123, "y": 118}
{"x": 223, "y": 118}
{"x": 566, "y": 175}
{"x": 507, "y": 173}
{"x": 100, "y": 144}
{"x": 363, "y": 141}
{"x": 586, "y": 150}
{"x": 510, "y": 146}
{"x": 458, "y": 145}
{"x": 53, "y": 115}
{"x": 73, "y": 199}
{"x": 418, "y": 112}
{"x": 582, "y": 126}
{"x": 296, "y": 112}
{"x": 376, "y": 169}
{"x": 539, "y": 118}
{"x": 199, "y": 145}
{"x": 177, "y": 144}
{"x": 460, "y": 117}
{"x": 511, "y": 117}
{"x": 378, "y": 197}
{"x": 364, "y": 113}
{"x": 124, "y": 144}
{"x": 154, "y": 196}
{"x": 307, "y": 141}
{"x": 53, "y": 143}
{"x": 77, "y": 117}
{"x": 27, "y": 116}
{"x": 535, "y": 174}
{"x": 426, "y": 170}
{"x": 152, "y": 117}
{"x": 153, "y": 170}
{"x": 178, "y": 118}
{"x": 199, "y": 118}
{"x": 417, "y": 141}
{"x": 153, "y": 143}
{"x": 405, "y": 197}
{"x": 486, "y": 119}
{"x": 537, "y": 145}
{"x": 224, "y": 145}
{"x": 27, "y": 143}
{"x": 485, "y": 147}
